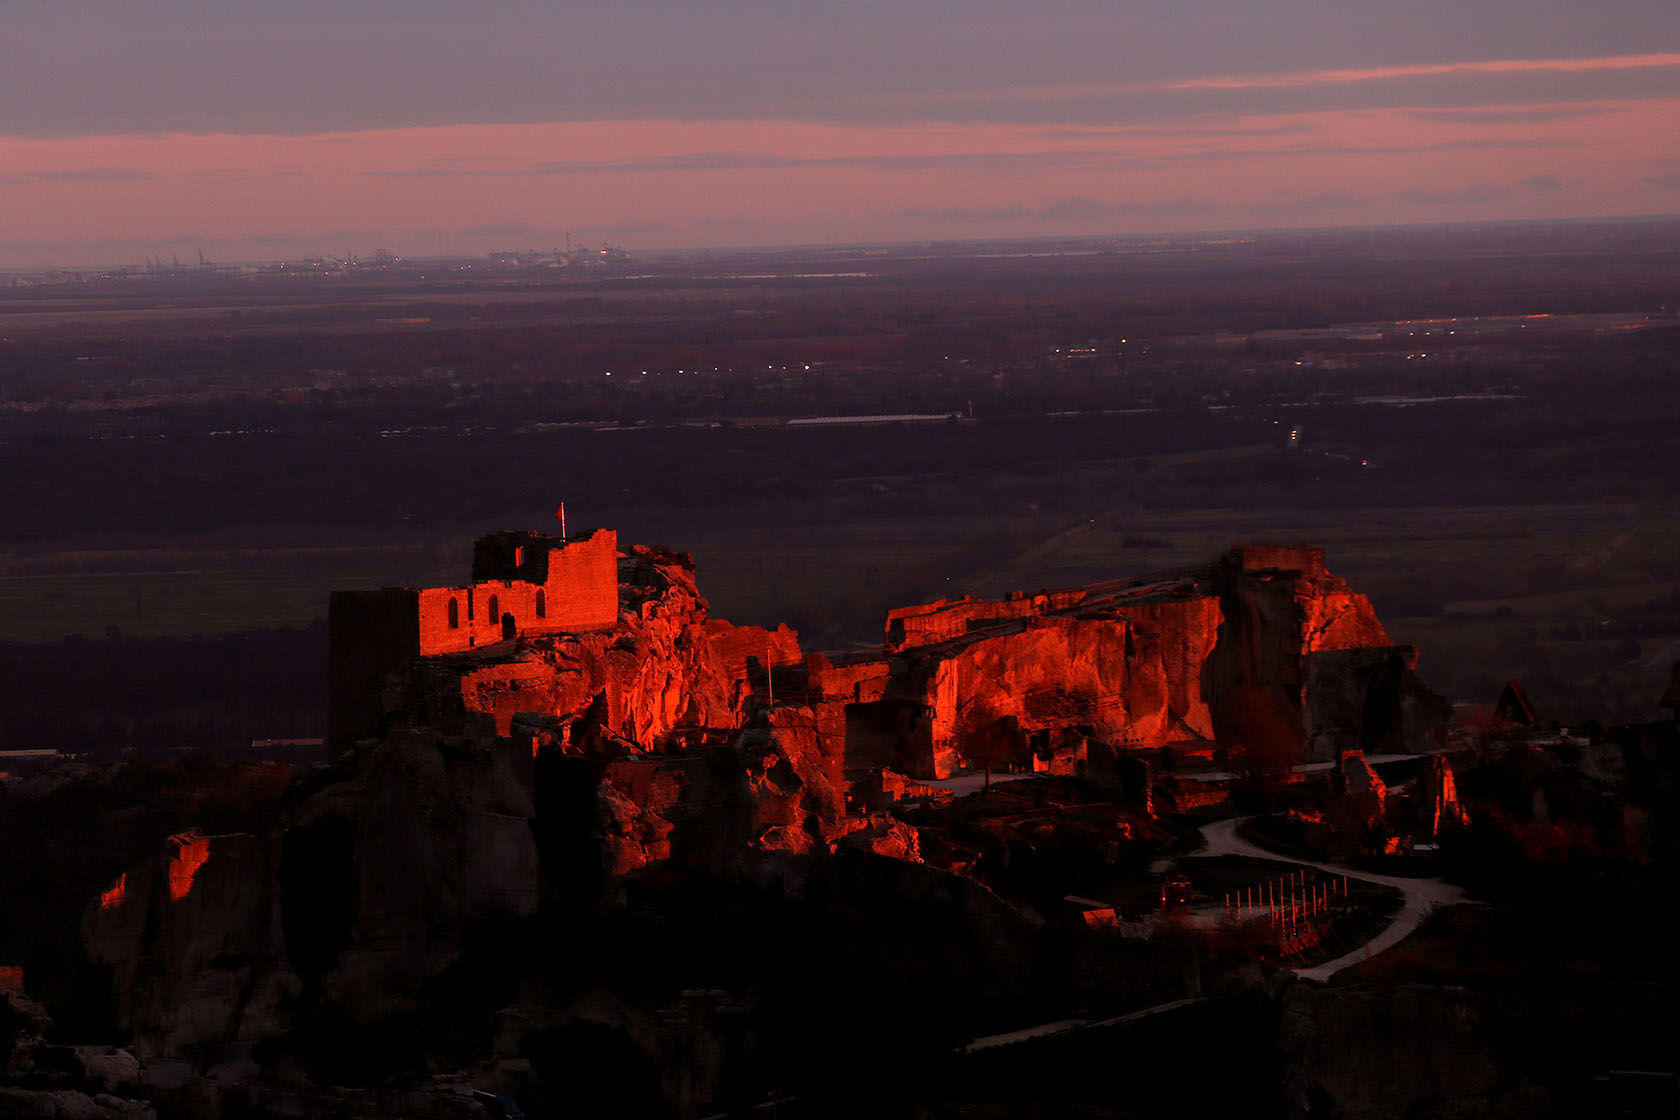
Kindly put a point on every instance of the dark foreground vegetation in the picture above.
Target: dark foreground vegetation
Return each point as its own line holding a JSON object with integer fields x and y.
{"x": 847, "y": 982}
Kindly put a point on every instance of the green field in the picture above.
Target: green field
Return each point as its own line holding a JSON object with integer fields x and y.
{"x": 179, "y": 591}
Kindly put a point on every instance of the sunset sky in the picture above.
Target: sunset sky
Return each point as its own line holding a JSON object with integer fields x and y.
{"x": 262, "y": 130}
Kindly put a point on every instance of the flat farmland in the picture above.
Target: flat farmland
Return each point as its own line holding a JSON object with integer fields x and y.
{"x": 208, "y": 453}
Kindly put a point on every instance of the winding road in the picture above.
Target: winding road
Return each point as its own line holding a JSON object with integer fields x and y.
{"x": 1420, "y": 895}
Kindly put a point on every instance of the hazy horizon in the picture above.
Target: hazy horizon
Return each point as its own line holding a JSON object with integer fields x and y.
{"x": 185, "y": 255}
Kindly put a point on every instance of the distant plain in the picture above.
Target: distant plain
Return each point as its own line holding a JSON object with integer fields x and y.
{"x": 205, "y": 452}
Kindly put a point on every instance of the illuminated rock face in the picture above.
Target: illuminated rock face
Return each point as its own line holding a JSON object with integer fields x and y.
{"x": 1439, "y": 809}
{"x": 665, "y": 668}
{"x": 1264, "y": 652}
{"x": 772, "y": 792}
{"x": 1132, "y": 678}
{"x": 192, "y": 849}
{"x": 523, "y": 584}
{"x": 651, "y": 742}
{"x": 114, "y": 895}
{"x": 545, "y": 770}
{"x": 180, "y": 932}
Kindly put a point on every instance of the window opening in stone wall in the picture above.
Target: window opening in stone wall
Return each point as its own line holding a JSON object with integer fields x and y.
{"x": 454, "y": 614}
{"x": 508, "y": 627}
{"x": 493, "y": 607}
{"x": 542, "y": 603}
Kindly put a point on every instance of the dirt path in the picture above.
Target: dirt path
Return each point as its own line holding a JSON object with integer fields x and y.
{"x": 1420, "y": 895}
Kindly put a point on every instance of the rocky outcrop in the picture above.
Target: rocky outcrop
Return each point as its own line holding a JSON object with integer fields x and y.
{"x": 1369, "y": 699}
{"x": 883, "y": 835}
{"x": 1364, "y": 796}
{"x": 1132, "y": 678}
{"x": 533, "y": 782}
{"x": 377, "y": 880}
{"x": 666, "y": 669}
{"x": 54, "y": 1082}
{"x": 1264, "y": 654}
{"x": 1438, "y": 805}
{"x": 720, "y": 809}
{"x": 182, "y": 950}
{"x": 1358, "y": 779}
{"x": 357, "y": 901}
{"x": 1303, "y": 668}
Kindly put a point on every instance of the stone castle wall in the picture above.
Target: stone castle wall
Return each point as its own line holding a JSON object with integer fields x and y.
{"x": 1263, "y": 652}
{"x": 1303, "y": 558}
{"x": 582, "y": 585}
{"x": 373, "y": 633}
{"x": 739, "y": 647}
{"x": 946, "y": 620}
{"x": 579, "y": 592}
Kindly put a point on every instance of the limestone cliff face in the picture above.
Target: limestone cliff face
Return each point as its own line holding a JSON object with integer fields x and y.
{"x": 181, "y": 931}
{"x": 721, "y": 809}
{"x": 537, "y": 775}
{"x": 1290, "y": 678}
{"x": 435, "y": 837}
{"x": 1263, "y": 654}
{"x": 357, "y": 900}
{"x": 1133, "y": 678}
{"x": 375, "y": 882}
{"x": 665, "y": 667}
{"x": 649, "y": 743}
{"x": 1438, "y": 807}
{"x": 373, "y": 886}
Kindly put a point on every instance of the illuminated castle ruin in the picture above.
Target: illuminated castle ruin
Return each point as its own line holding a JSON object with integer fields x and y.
{"x": 1261, "y": 655}
{"x": 523, "y": 584}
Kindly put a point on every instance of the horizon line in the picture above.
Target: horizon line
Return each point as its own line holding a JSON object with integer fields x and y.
{"x": 812, "y": 246}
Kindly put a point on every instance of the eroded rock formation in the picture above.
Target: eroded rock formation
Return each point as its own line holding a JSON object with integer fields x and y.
{"x": 536, "y": 776}
{"x": 1264, "y": 653}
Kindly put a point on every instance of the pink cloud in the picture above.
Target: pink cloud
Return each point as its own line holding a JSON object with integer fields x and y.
{"x": 1436, "y": 69}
